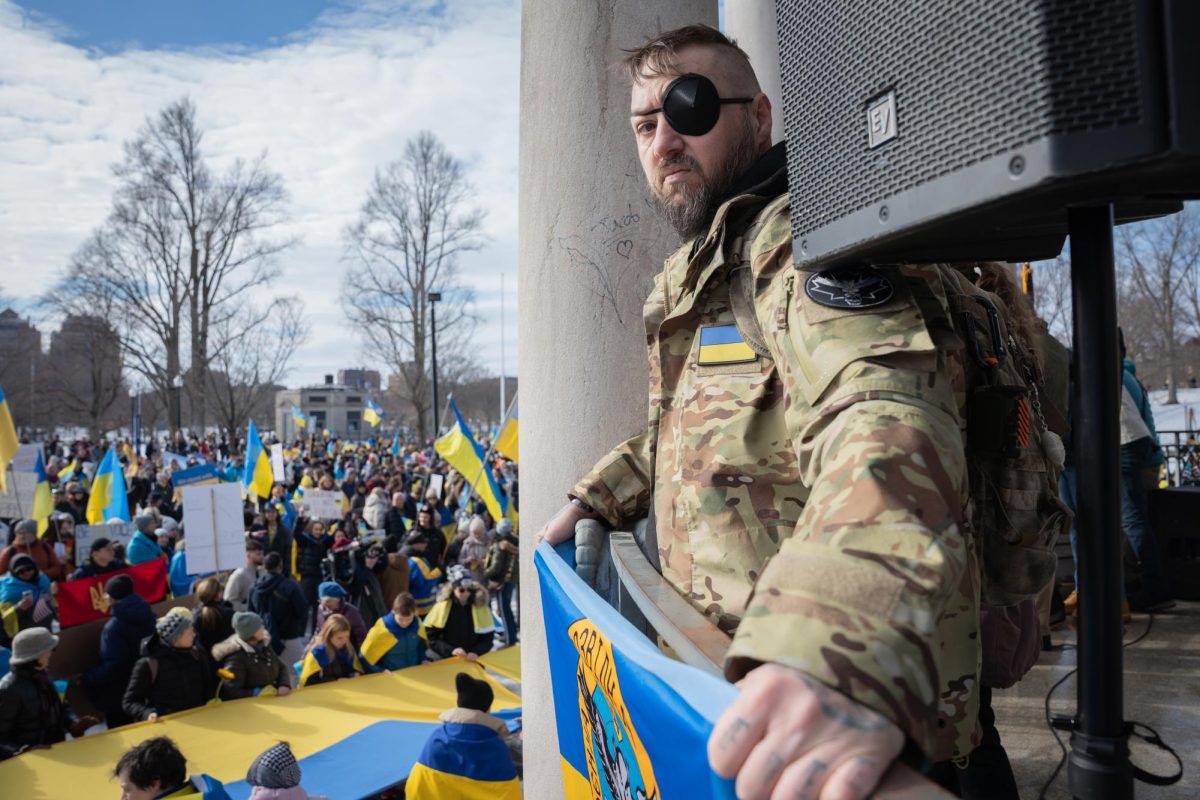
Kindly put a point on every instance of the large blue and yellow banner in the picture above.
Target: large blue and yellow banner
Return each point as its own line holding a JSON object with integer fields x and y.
{"x": 631, "y": 721}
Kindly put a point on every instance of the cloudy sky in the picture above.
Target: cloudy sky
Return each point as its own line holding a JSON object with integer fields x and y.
{"x": 329, "y": 90}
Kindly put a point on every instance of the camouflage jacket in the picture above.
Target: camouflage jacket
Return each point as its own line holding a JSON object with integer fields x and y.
{"x": 811, "y": 500}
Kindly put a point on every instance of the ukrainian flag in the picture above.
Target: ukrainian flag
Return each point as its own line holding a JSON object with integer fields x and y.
{"x": 723, "y": 344}
{"x": 466, "y": 455}
{"x": 396, "y": 445}
{"x": 383, "y": 637}
{"x": 372, "y": 413}
{"x": 506, "y": 442}
{"x": 42, "y": 503}
{"x": 8, "y": 441}
{"x": 67, "y": 472}
{"x": 466, "y": 761}
{"x": 298, "y": 417}
{"x": 108, "y": 499}
{"x": 256, "y": 473}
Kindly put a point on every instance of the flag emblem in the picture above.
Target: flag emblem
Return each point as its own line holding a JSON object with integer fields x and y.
{"x": 723, "y": 344}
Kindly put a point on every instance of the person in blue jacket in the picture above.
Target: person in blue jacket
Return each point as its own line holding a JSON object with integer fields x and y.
{"x": 423, "y": 575}
{"x": 143, "y": 546}
{"x": 131, "y": 620}
{"x": 397, "y": 639}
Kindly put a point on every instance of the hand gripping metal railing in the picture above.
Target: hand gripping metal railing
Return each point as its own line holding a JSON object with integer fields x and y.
{"x": 622, "y": 566}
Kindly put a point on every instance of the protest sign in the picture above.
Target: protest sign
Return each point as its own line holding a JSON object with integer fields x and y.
{"x": 25, "y": 459}
{"x": 86, "y": 534}
{"x": 201, "y": 475}
{"x": 215, "y": 527}
{"x": 323, "y": 505}
{"x": 277, "y": 463}
{"x": 19, "y": 500}
{"x": 436, "y": 481}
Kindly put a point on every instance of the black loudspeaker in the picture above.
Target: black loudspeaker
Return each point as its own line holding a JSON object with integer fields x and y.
{"x": 942, "y": 130}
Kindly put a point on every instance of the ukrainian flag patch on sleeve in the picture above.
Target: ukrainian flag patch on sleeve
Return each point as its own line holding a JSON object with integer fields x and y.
{"x": 723, "y": 344}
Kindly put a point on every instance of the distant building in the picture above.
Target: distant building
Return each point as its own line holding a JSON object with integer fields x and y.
{"x": 329, "y": 405}
{"x": 22, "y": 370}
{"x": 367, "y": 380}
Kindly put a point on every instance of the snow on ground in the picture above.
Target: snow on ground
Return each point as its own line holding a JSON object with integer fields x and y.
{"x": 1175, "y": 417}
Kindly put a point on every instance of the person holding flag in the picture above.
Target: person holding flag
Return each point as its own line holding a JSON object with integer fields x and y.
{"x": 108, "y": 500}
{"x": 466, "y": 455}
{"x": 397, "y": 639}
{"x": 257, "y": 476}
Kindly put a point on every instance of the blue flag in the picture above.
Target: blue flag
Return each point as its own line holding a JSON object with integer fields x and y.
{"x": 617, "y": 699}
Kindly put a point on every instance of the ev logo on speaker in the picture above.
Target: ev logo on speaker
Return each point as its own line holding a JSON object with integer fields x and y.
{"x": 881, "y": 120}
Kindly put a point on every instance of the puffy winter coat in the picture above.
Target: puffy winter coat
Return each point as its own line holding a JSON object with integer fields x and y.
{"x": 142, "y": 548}
{"x": 310, "y": 553}
{"x": 502, "y": 563}
{"x": 31, "y": 712}
{"x": 451, "y": 624}
{"x": 254, "y": 666}
{"x": 121, "y": 640}
{"x": 376, "y": 509}
{"x": 168, "y": 679}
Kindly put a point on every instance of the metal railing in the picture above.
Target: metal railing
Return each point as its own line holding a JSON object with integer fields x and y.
{"x": 1182, "y": 452}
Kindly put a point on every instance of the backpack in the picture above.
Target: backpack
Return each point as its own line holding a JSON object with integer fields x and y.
{"x": 1013, "y": 459}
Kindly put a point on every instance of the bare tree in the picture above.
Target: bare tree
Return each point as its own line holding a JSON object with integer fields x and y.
{"x": 85, "y": 384}
{"x": 128, "y": 273}
{"x": 1052, "y": 296}
{"x": 251, "y": 351}
{"x": 416, "y": 221}
{"x": 222, "y": 222}
{"x": 1160, "y": 258}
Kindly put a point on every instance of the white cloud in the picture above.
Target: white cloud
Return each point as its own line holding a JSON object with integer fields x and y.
{"x": 328, "y": 106}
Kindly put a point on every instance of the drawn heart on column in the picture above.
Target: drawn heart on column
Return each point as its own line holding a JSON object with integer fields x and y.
{"x": 624, "y": 248}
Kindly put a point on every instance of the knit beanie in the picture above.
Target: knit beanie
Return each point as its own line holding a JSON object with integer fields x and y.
{"x": 246, "y": 624}
{"x": 119, "y": 587}
{"x": 275, "y": 768}
{"x": 472, "y": 693}
{"x": 171, "y": 625}
{"x": 331, "y": 589}
{"x": 20, "y": 561}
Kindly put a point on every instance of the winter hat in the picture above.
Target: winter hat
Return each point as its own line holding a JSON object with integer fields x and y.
{"x": 505, "y": 527}
{"x": 20, "y": 561}
{"x": 275, "y": 768}
{"x": 30, "y": 644}
{"x": 144, "y": 523}
{"x": 170, "y": 524}
{"x": 26, "y": 526}
{"x": 100, "y": 544}
{"x": 331, "y": 589}
{"x": 172, "y": 625}
{"x": 472, "y": 693}
{"x": 119, "y": 587}
{"x": 246, "y": 624}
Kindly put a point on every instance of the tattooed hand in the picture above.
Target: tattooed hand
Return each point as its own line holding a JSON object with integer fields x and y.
{"x": 790, "y": 736}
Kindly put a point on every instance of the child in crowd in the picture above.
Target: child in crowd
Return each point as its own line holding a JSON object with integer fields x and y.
{"x": 397, "y": 639}
{"x": 331, "y": 657}
{"x": 275, "y": 775}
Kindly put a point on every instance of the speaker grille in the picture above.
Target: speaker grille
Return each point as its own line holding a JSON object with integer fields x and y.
{"x": 972, "y": 79}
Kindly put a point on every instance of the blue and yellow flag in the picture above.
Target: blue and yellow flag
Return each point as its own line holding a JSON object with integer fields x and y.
{"x": 8, "y": 441}
{"x": 396, "y": 446}
{"x": 43, "y": 504}
{"x": 298, "y": 417}
{"x": 506, "y": 441}
{"x": 723, "y": 344}
{"x": 372, "y": 414}
{"x": 256, "y": 473}
{"x": 466, "y": 455}
{"x": 625, "y": 713}
{"x": 443, "y": 770}
{"x": 108, "y": 499}
{"x": 383, "y": 637}
{"x": 319, "y": 658}
{"x": 66, "y": 473}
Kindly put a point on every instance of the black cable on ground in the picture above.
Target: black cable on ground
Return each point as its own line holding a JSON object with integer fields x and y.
{"x": 1050, "y": 723}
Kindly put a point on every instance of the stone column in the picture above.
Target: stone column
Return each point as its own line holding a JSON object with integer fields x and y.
{"x": 752, "y": 23}
{"x": 589, "y": 248}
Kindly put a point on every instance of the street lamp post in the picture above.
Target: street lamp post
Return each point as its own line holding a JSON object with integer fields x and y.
{"x": 178, "y": 384}
{"x": 434, "y": 297}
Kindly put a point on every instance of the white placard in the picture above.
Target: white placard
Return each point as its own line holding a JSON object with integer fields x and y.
{"x": 19, "y": 500}
{"x": 436, "y": 481}
{"x": 86, "y": 534}
{"x": 322, "y": 504}
{"x": 214, "y": 526}
{"x": 277, "y": 463}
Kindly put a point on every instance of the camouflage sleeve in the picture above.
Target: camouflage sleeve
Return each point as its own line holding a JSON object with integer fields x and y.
{"x": 619, "y": 486}
{"x": 859, "y": 595}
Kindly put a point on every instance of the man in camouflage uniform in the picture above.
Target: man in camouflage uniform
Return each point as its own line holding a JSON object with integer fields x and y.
{"x": 808, "y": 487}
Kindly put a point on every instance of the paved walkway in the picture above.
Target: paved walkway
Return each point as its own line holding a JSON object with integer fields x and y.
{"x": 1162, "y": 689}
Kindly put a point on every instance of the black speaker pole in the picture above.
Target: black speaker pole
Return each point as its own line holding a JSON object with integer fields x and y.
{"x": 1099, "y": 763}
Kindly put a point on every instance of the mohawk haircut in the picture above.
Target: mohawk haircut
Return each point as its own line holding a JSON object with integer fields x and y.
{"x": 657, "y": 56}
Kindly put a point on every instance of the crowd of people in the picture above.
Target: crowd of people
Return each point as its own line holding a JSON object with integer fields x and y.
{"x": 413, "y": 568}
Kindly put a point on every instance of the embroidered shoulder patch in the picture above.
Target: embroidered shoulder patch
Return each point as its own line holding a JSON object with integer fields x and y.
{"x": 852, "y": 287}
{"x": 722, "y": 344}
